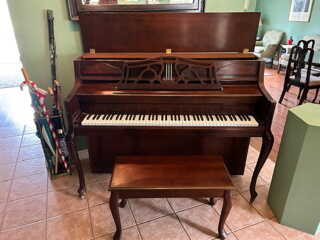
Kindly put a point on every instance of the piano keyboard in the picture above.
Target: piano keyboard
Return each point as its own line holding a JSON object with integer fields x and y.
{"x": 170, "y": 120}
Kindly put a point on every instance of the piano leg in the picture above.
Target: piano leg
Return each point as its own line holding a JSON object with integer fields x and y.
{"x": 72, "y": 146}
{"x": 267, "y": 143}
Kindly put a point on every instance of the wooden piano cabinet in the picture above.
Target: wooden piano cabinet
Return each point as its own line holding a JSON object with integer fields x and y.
{"x": 104, "y": 149}
{"x": 111, "y": 40}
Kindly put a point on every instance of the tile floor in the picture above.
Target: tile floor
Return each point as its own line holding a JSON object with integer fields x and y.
{"x": 33, "y": 206}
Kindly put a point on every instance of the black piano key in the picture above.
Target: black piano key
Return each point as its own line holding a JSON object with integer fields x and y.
{"x": 238, "y": 115}
{"x": 201, "y": 117}
{"x": 94, "y": 117}
{"x": 218, "y": 117}
{"x": 224, "y": 117}
{"x": 246, "y": 116}
{"x": 188, "y": 117}
{"x": 184, "y": 117}
{"x": 207, "y": 117}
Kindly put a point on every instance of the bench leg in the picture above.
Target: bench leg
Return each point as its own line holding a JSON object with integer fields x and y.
{"x": 115, "y": 214}
{"x": 227, "y": 204}
{"x": 123, "y": 203}
{"x": 212, "y": 201}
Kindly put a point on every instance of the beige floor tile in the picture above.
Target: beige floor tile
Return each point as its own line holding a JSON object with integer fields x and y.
{"x": 146, "y": 209}
{"x": 9, "y": 156}
{"x": 266, "y": 172}
{"x": 260, "y": 231}
{"x": 291, "y": 233}
{"x": 64, "y": 182}
{"x": 75, "y": 226}
{"x": 4, "y": 191}
{"x": 6, "y": 172}
{"x": 65, "y": 201}
{"x": 2, "y": 210}
{"x": 127, "y": 234}
{"x": 179, "y": 204}
{"x": 30, "y": 128}
{"x": 253, "y": 155}
{"x": 242, "y": 213}
{"x": 25, "y": 211}
{"x": 102, "y": 219}
{"x": 35, "y": 231}
{"x": 28, "y": 186}
{"x": 10, "y": 143}
{"x": 93, "y": 177}
{"x": 166, "y": 228}
{"x": 30, "y": 139}
{"x": 201, "y": 223}
{"x": 261, "y": 202}
{"x": 30, "y": 152}
{"x": 30, "y": 167}
{"x": 242, "y": 183}
{"x": 97, "y": 193}
{"x": 11, "y": 131}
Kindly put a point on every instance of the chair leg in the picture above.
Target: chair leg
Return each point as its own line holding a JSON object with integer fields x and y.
{"x": 304, "y": 95}
{"x": 227, "y": 204}
{"x": 123, "y": 203}
{"x": 285, "y": 89}
{"x": 115, "y": 214}
{"x": 300, "y": 91}
{"x": 315, "y": 97}
{"x": 212, "y": 201}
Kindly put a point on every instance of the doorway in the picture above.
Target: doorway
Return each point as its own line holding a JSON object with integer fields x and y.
{"x": 10, "y": 74}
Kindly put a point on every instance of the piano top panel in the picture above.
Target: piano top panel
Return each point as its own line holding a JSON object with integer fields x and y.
{"x": 181, "y": 32}
{"x": 190, "y": 55}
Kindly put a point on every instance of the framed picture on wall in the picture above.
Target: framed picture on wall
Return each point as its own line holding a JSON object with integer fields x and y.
{"x": 300, "y": 10}
{"x": 76, "y": 6}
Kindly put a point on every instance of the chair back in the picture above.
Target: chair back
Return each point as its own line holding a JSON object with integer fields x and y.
{"x": 300, "y": 55}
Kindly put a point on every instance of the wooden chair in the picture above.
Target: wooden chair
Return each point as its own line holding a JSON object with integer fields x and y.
{"x": 170, "y": 176}
{"x": 301, "y": 56}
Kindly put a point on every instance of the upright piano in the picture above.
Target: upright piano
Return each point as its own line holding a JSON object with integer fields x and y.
{"x": 169, "y": 84}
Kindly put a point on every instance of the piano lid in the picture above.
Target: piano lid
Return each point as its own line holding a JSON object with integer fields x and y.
{"x": 181, "y": 32}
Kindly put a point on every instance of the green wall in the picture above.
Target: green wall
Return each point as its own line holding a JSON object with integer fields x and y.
{"x": 30, "y": 26}
{"x": 275, "y": 15}
{"x": 228, "y": 5}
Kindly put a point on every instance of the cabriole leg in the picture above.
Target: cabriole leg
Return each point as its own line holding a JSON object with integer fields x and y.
{"x": 115, "y": 214}
{"x": 227, "y": 204}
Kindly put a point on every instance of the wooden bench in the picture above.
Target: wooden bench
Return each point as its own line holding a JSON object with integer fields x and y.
{"x": 170, "y": 176}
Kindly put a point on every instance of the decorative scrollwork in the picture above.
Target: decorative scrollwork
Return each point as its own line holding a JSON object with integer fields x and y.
{"x": 169, "y": 73}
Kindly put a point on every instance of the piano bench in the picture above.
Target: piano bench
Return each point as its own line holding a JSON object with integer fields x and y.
{"x": 170, "y": 177}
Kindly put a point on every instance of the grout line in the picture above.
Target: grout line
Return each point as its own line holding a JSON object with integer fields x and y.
{"x": 184, "y": 229}
{"x": 284, "y": 237}
{"x": 10, "y": 188}
{"x": 89, "y": 212}
{"x": 135, "y": 220}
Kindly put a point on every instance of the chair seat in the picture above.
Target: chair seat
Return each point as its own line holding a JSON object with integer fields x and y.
{"x": 170, "y": 172}
{"x": 314, "y": 80}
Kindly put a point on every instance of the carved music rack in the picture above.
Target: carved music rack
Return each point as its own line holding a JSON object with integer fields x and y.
{"x": 169, "y": 73}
